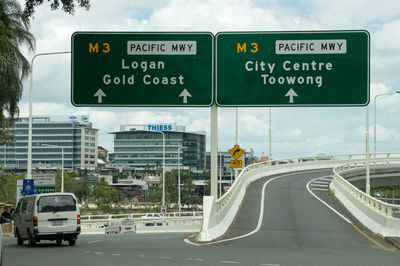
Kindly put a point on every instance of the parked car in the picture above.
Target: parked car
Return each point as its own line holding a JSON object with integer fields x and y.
{"x": 50, "y": 216}
{"x": 120, "y": 226}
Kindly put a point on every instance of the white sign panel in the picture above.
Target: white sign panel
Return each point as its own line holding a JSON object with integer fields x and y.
{"x": 44, "y": 179}
{"x": 162, "y": 48}
{"x": 311, "y": 47}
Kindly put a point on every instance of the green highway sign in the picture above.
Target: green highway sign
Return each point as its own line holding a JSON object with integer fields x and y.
{"x": 45, "y": 189}
{"x": 142, "y": 69}
{"x": 317, "y": 68}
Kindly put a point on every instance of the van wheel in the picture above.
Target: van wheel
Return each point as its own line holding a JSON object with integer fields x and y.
{"x": 59, "y": 241}
{"x": 31, "y": 240}
{"x": 71, "y": 242}
{"x": 20, "y": 241}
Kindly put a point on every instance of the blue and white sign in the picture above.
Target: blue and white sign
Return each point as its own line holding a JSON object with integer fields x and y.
{"x": 160, "y": 127}
{"x": 28, "y": 187}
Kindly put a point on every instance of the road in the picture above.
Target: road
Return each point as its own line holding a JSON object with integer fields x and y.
{"x": 295, "y": 229}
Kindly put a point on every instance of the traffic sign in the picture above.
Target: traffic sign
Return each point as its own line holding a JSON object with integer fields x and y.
{"x": 236, "y": 152}
{"x": 236, "y": 163}
{"x": 28, "y": 187}
{"x": 142, "y": 69}
{"x": 45, "y": 189}
{"x": 317, "y": 68}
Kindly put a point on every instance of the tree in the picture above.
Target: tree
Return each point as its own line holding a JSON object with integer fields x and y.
{"x": 8, "y": 182}
{"x": 104, "y": 196}
{"x": 67, "y": 6}
{"x": 14, "y": 67}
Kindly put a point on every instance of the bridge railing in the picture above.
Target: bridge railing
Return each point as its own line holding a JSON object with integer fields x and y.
{"x": 219, "y": 213}
{"x": 380, "y": 217}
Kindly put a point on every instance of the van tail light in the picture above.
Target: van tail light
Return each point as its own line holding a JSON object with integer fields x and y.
{"x": 35, "y": 221}
{"x": 78, "y": 219}
{"x": 120, "y": 228}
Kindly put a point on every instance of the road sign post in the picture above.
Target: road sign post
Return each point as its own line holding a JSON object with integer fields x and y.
{"x": 142, "y": 69}
{"x": 328, "y": 68}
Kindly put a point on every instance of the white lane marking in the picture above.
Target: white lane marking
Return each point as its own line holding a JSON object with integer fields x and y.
{"x": 142, "y": 256}
{"x": 116, "y": 254}
{"x": 163, "y": 257}
{"x": 322, "y": 182}
{"x": 320, "y": 189}
{"x": 195, "y": 259}
{"x": 317, "y": 185}
{"x": 268, "y": 264}
{"x": 328, "y": 177}
{"x": 260, "y": 218}
{"x": 323, "y": 202}
{"x": 94, "y": 241}
{"x": 230, "y": 262}
{"x": 98, "y": 253}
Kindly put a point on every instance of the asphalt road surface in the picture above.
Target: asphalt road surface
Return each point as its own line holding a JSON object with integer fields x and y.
{"x": 295, "y": 229}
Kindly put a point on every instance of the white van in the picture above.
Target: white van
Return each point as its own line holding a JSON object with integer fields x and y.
{"x": 120, "y": 226}
{"x": 50, "y": 216}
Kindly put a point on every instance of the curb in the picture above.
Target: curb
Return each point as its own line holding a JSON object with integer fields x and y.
{"x": 395, "y": 241}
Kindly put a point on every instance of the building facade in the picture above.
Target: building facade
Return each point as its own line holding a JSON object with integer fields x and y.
{"x": 138, "y": 147}
{"x": 74, "y": 142}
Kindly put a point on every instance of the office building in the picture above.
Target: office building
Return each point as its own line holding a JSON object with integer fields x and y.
{"x": 74, "y": 137}
{"x": 140, "y": 147}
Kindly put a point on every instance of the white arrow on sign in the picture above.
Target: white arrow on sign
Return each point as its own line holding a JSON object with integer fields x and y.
{"x": 100, "y": 94}
{"x": 291, "y": 93}
{"x": 185, "y": 94}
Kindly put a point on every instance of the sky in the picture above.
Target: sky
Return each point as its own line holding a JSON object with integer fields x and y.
{"x": 296, "y": 131}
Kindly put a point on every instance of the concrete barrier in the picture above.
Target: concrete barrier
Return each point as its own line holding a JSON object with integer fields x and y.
{"x": 145, "y": 225}
{"x": 380, "y": 217}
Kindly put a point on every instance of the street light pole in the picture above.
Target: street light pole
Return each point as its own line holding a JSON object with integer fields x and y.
{"x": 163, "y": 172}
{"x": 384, "y": 94}
{"x": 367, "y": 153}
{"x": 220, "y": 174}
{"x": 29, "y": 166}
{"x": 179, "y": 179}
{"x": 62, "y": 162}
{"x": 269, "y": 135}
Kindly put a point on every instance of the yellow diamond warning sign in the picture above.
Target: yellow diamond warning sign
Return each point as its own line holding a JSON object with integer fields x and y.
{"x": 236, "y": 152}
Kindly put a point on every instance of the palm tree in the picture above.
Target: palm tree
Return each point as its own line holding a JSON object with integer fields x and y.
{"x": 14, "y": 67}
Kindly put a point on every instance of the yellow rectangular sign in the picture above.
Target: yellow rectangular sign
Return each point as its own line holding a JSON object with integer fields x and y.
{"x": 236, "y": 163}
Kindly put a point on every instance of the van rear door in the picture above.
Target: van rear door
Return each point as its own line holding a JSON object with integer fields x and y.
{"x": 57, "y": 213}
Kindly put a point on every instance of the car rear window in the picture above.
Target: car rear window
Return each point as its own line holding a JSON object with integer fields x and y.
{"x": 56, "y": 203}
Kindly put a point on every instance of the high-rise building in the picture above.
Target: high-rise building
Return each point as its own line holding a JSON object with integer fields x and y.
{"x": 137, "y": 147}
{"x": 74, "y": 139}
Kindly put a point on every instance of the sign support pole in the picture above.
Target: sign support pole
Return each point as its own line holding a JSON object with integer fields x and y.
{"x": 214, "y": 151}
{"x": 367, "y": 158}
{"x": 237, "y": 136}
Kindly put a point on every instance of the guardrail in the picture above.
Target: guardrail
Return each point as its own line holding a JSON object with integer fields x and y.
{"x": 171, "y": 222}
{"x": 380, "y": 217}
{"x": 136, "y": 215}
{"x": 219, "y": 214}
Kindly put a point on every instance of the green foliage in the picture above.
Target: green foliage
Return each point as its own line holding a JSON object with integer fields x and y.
{"x": 14, "y": 67}
{"x": 104, "y": 196}
{"x": 8, "y": 183}
{"x": 67, "y": 6}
